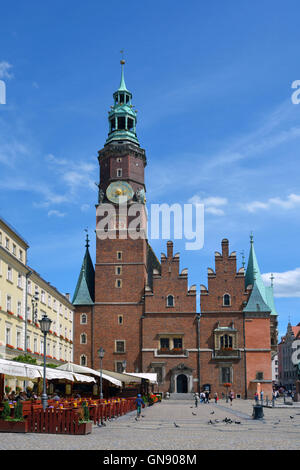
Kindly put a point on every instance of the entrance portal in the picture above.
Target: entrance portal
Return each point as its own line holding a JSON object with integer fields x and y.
{"x": 182, "y": 384}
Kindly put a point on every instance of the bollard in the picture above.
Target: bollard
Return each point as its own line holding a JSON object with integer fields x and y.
{"x": 258, "y": 412}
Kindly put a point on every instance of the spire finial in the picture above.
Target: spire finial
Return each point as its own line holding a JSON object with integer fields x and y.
{"x": 251, "y": 237}
{"x": 272, "y": 279}
{"x": 122, "y": 61}
{"x": 87, "y": 244}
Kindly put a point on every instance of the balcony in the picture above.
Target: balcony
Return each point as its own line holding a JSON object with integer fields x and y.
{"x": 226, "y": 353}
{"x": 171, "y": 352}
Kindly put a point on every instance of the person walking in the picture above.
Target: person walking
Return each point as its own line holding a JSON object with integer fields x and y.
{"x": 196, "y": 400}
{"x": 202, "y": 397}
{"x": 231, "y": 397}
{"x": 262, "y": 397}
{"x": 207, "y": 396}
{"x": 216, "y": 397}
{"x": 256, "y": 397}
{"x": 139, "y": 403}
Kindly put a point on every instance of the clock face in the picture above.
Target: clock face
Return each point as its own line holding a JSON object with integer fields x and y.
{"x": 119, "y": 189}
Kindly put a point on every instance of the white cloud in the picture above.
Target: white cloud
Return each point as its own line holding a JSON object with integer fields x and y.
{"x": 211, "y": 204}
{"x": 56, "y": 213}
{"x": 291, "y": 202}
{"x": 286, "y": 284}
{"x": 4, "y": 70}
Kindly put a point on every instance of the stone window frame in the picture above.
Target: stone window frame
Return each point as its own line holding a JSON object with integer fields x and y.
{"x": 83, "y": 363}
{"x": 119, "y": 255}
{"x": 118, "y": 284}
{"x": 122, "y": 320}
{"x": 83, "y": 315}
{"x": 116, "y": 346}
{"x": 169, "y": 296}
{"x": 118, "y": 270}
{"x": 223, "y": 366}
{"x": 227, "y": 295}
{"x": 83, "y": 335}
{"x": 225, "y": 331}
{"x": 121, "y": 370}
{"x": 170, "y": 337}
{"x": 119, "y": 172}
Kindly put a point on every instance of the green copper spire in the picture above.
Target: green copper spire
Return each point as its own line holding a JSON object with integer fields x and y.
{"x": 122, "y": 86}
{"x": 254, "y": 277}
{"x": 256, "y": 302}
{"x": 122, "y": 117}
{"x": 85, "y": 289}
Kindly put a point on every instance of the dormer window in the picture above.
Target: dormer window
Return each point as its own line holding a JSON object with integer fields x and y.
{"x": 226, "y": 300}
{"x": 170, "y": 301}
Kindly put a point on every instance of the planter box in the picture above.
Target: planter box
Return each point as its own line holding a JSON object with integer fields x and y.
{"x": 85, "y": 428}
{"x": 13, "y": 426}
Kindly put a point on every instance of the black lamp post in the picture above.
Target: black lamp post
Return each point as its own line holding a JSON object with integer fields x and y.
{"x": 101, "y": 356}
{"x": 45, "y": 324}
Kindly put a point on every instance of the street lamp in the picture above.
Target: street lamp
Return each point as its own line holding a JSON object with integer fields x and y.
{"x": 101, "y": 356}
{"x": 45, "y": 324}
{"x": 198, "y": 355}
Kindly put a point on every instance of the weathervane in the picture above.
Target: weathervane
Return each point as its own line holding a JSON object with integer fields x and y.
{"x": 243, "y": 258}
{"x": 272, "y": 279}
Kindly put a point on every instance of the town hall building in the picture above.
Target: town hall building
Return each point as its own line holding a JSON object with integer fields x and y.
{"x": 142, "y": 311}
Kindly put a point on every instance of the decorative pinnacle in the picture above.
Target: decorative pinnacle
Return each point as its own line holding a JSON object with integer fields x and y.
{"x": 251, "y": 237}
{"x": 272, "y": 279}
{"x": 243, "y": 258}
{"x": 87, "y": 244}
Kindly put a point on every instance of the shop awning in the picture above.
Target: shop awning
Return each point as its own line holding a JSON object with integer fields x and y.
{"x": 151, "y": 377}
{"x": 77, "y": 369}
{"x": 32, "y": 372}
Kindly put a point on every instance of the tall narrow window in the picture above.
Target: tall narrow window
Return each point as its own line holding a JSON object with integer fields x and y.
{"x": 170, "y": 301}
{"x": 83, "y": 338}
{"x": 83, "y": 319}
{"x": 119, "y": 172}
{"x": 226, "y": 300}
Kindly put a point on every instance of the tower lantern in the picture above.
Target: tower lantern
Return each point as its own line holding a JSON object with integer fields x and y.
{"x": 122, "y": 116}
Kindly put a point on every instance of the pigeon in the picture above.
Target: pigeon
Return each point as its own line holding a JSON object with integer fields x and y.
{"x": 176, "y": 425}
{"x": 212, "y": 413}
{"x": 217, "y": 421}
{"x": 237, "y": 422}
{"x": 210, "y": 422}
{"x": 292, "y": 417}
{"x": 195, "y": 414}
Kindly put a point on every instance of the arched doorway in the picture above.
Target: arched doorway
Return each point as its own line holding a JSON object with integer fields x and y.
{"x": 181, "y": 383}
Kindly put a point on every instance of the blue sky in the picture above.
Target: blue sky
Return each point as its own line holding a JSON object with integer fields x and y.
{"x": 212, "y": 85}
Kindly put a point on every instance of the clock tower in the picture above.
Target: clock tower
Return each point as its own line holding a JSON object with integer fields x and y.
{"x": 121, "y": 252}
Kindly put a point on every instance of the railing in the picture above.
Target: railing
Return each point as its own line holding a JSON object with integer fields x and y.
{"x": 226, "y": 354}
{"x": 65, "y": 417}
{"x": 173, "y": 352}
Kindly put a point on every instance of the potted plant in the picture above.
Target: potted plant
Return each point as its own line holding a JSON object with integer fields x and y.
{"x": 14, "y": 423}
{"x": 84, "y": 422}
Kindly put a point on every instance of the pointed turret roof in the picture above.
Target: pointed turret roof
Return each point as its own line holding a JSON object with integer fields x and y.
{"x": 85, "y": 289}
{"x": 256, "y": 301}
{"x": 253, "y": 276}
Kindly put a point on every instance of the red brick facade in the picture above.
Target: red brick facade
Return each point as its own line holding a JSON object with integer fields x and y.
{"x": 143, "y": 311}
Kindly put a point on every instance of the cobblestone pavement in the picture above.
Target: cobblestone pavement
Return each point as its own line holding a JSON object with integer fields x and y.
{"x": 157, "y": 431}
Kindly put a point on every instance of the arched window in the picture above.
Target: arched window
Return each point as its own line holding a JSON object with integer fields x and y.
{"x": 170, "y": 301}
{"x": 83, "y": 361}
{"x": 226, "y": 300}
{"x": 83, "y": 318}
{"x": 83, "y": 338}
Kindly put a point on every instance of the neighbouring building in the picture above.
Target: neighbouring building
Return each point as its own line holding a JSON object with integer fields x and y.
{"x": 288, "y": 371}
{"x": 143, "y": 312}
{"x": 24, "y": 297}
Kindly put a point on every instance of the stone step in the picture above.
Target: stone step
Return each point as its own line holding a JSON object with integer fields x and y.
{"x": 181, "y": 396}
